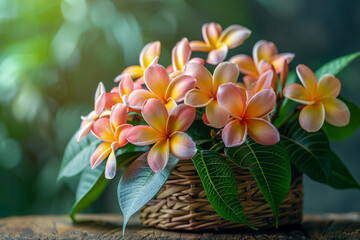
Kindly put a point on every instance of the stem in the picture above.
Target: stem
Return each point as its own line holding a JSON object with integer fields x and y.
{"x": 278, "y": 106}
{"x": 296, "y": 110}
{"x": 216, "y": 147}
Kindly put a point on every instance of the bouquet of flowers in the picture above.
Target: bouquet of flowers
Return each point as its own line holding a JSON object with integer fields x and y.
{"x": 265, "y": 121}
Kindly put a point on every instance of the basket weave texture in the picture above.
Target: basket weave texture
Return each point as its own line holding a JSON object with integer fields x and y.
{"x": 182, "y": 204}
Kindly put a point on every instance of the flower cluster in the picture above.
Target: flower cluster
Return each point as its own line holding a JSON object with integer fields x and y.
{"x": 168, "y": 100}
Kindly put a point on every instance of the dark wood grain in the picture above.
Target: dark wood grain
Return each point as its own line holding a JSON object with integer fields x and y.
{"x": 109, "y": 226}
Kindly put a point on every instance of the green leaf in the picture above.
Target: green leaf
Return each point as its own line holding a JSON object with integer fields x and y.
{"x": 335, "y": 66}
{"x": 93, "y": 182}
{"x": 309, "y": 152}
{"x": 270, "y": 166}
{"x": 77, "y": 156}
{"x": 340, "y": 177}
{"x": 139, "y": 184}
{"x": 219, "y": 183}
{"x": 340, "y": 133}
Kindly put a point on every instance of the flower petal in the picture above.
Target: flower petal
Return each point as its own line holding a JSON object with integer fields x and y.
{"x": 263, "y": 50}
{"x": 263, "y": 132}
{"x": 234, "y": 133}
{"x": 329, "y": 86}
{"x": 297, "y": 93}
{"x": 201, "y": 74}
{"x": 158, "y": 155}
{"x": 181, "y": 54}
{"x": 102, "y": 130}
{"x": 118, "y": 116}
{"x": 135, "y": 71}
{"x": 226, "y": 72}
{"x": 101, "y": 152}
{"x": 197, "y": 98}
{"x": 211, "y": 33}
{"x": 218, "y": 55}
{"x": 149, "y": 53}
{"x": 264, "y": 81}
{"x": 180, "y": 118}
{"x": 308, "y": 79}
{"x": 216, "y": 115}
{"x": 120, "y": 134}
{"x": 250, "y": 81}
{"x": 278, "y": 60}
{"x": 199, "y": 46}
{"x": 142, "y": 135}
{"x": 246, "y": 65}
{"x": 112, "y": 99}
{"x": 155, "y": 114}
{"x": 231, "y": 99}
{"x": 84, "y": 130}
{"x": 234, "y": 35}
{"x": 110, "y": 168}
{"x": 99, "y": 91}
{"x": 126, "y": 85}
{"x": 170, "y": 105}
{"x": 284, "y": 72}
{"x": 197, "y": 60}
{"x": 100, "y": 104}
{"x": 261, "y": 104}
{"x": 157, "y": 79}
{"x": 312, "y": 117}
{"x": 137, "y": 98}
{"x": 179, "y": 86}
{"x": 182, "y": 146}
{"x": 336, "y": 112}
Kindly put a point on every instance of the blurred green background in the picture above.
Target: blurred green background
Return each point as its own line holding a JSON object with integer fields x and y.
{"x": 54, "y": 53}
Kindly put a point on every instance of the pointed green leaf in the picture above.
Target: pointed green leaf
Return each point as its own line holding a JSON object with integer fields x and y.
{"x": 77, "y": 156}
{"x": 270, "y": 166}
{"x": 340, "y": 133}
{"x": 219, "y": 183}
{"x": 309, "y": 152}
{"x": 139, "y": 184}
{"x": 93, "y": 182}
{"x": 340, "y": 177}
{"x": 335, "y": 66}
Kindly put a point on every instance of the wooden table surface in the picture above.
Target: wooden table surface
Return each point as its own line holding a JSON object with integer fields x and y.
{"x": 109, "y": 226}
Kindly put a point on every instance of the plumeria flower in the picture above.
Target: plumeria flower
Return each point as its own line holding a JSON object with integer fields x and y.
{"x": 166, "y": 131}
{"x": 248, "y": 114}
{"x": 206, "y": 93}
{"x": 99, "y": 107}
{"x": 121, "y": 93}
{"x": 319, "y": 99}
{"x": 217, "y": 42}
{"x": 112, "y": 131}
{"x": 147, "y": 55}
{"x": 169, "y": 92}
{"x": 265, "y": 57}
{"x": 181, "y": 55}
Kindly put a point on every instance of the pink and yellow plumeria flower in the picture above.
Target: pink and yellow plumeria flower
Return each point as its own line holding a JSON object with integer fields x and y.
{"x": 217, "y": 42}
{"x": 265, "y": 57}
{"x": 121, "y": 93}
{"x": 168, "y": 91}
{"x": 248, "y": 114}
{"x": 181, "y": 55}
{"x": 166, "y": 131}
{"x": 147, "y": 55}
{"x": 112, "y": 131}
{"x": 88, "y": 121}
{"x": 319, "y": 99}
{"x": 206, "y": 93}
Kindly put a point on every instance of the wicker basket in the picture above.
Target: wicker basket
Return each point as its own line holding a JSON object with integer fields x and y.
{"x": 182, "y": 204}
